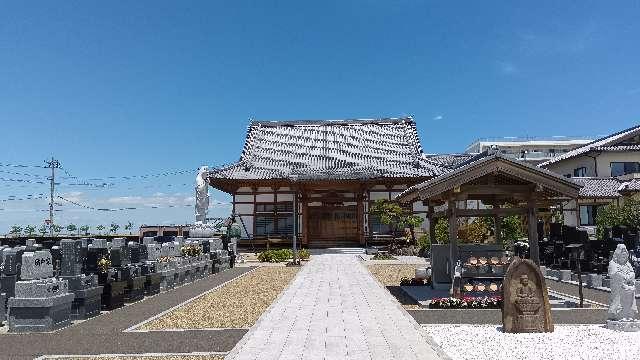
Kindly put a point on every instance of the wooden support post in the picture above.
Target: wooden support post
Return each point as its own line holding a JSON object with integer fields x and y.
{"x": 498, "y": 228}
{"x": 305, "y": 219}
{"x": 432, "y": 226}
{"x": 534, "y": 250}
{"x": 453, "y": 237}
{"x": 360, "y": 217}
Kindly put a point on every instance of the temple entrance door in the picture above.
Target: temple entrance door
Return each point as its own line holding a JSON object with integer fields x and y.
{"x": 333, "y": 224}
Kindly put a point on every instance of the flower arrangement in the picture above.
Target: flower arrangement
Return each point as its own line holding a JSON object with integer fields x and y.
{"x": 191, "y": 250}
{"x": 104, "y": 264}
{"x": 405, "y": 281}
{"x": 467, "y": 302}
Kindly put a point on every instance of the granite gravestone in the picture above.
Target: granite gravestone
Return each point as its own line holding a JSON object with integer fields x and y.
{"x": 526, "y": 306}
{"x": 36, "y": 265}
{"x": 41, "y": 303}
{"x": 87, "y": 292}
{"x": 9, "y": 270}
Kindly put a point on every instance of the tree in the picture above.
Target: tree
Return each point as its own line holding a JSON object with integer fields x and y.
{"x": 84, "y": 229}
{"x": 71, "y": 228}
{"x": 56, "y": 228}
{"x": 29, "y": 230}
{"x": 43, "y": 230}
{"x": 100, "y": 228}
{"x": 612, "y": 215}
{"x": 128, "y": 227}
{"x": 114, "y": 227}
{"x": 397, "y": 217}
{"x": 15, "y": 230}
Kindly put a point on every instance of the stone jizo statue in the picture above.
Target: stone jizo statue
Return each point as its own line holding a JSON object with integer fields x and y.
{"x": 622, "y": 306}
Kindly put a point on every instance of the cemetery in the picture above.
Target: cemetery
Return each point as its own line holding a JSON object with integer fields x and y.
{"x": 46, "y": 289}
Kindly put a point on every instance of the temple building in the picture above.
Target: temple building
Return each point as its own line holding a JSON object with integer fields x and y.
{"x": 329, "y": 172}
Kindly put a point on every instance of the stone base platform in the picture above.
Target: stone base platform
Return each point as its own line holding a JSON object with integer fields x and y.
{"x": 39, "y": 314}
{"x": 626, "y": 326}
{"x": 87, "y": 303}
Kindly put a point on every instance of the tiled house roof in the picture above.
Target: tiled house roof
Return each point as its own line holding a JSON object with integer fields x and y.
{"x": 603, "y": 144}
{"x": 599, "y": 187}
{"x": 617, "y": 148}
{"x": 331, "y": 149}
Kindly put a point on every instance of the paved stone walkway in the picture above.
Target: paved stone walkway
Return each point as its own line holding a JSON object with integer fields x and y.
{"x": 334, "y": 309}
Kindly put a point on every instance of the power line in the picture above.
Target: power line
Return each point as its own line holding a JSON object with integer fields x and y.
{"x": 22, "y": 165}
{"x": 119, "y": 209}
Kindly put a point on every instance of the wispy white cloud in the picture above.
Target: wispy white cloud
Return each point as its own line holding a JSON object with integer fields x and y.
{"x": 507, "y": 68}
{"x": 438, "y": 117}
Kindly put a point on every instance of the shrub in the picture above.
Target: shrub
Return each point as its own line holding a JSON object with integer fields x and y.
{"x": 382, "y": 256}
{"x": 304, "y": 254}
{"x": 424, "y": 242}
{"x": 274, "y": 256}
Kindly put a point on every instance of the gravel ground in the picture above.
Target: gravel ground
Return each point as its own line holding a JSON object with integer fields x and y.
{"x": 566, "y": 342}
{"x": 236, "y": 305}
{"x": 390, "y": 275}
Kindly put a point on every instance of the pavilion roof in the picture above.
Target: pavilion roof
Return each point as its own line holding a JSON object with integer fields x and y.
{"x": 490, "y": 162}
{"x": 331, "y": 149}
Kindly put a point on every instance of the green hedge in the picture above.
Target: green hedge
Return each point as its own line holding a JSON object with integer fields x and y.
{"x": 282, "y": 255}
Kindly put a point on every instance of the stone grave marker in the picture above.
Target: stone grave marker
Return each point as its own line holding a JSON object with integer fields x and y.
{"x": 99, "y": 243}
{"x": 526, "y": 306}
{"x": 118, "y": 242}
{"x": 73, "y": 257}
{"x": 36, "y": 265}
{"x": 147, "y": 240}
{"x": 153, "y": 251}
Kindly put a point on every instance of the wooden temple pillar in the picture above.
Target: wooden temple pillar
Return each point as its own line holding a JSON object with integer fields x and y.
{"x": 432, "y": 224}
{"x": 532, "y": 220}
{"x": 305, "y": 218}
{"x": 453, "y": 236}
{"x": 498, "y": 229}
{"x": 360, "y": 216}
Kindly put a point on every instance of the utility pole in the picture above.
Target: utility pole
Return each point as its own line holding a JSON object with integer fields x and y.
{"x": 53, "y": 164}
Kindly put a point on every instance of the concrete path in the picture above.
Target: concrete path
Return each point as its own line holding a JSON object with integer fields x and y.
{"x": 334, "y": 309}
{"x": 104, "y": 334}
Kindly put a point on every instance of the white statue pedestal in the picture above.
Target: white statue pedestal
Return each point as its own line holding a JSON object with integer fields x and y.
{"x": 624, "y": 325}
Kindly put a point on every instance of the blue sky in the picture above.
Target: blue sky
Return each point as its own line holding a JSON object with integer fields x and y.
{"x": 115, "y": 89}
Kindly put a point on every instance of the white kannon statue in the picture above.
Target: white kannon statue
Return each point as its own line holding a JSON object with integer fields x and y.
{"x": 622, "y": 306}
{"x": 202, "y": 195}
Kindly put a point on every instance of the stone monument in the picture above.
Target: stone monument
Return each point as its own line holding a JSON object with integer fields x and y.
{"x": 526, "y": 306}
{"x": 41, "y": 302}
{"x": 87, "y": 293}
{"x": 622, "y": 303}
{"x": 202, "y": 195}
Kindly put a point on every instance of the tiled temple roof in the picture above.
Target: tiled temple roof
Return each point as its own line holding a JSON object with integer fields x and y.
{"x": 331, "y": 149}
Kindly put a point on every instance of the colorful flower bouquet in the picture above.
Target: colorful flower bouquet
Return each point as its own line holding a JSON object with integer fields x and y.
{"x": 467, "y": 302}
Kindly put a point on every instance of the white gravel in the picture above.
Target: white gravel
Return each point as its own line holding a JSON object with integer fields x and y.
{"x": 566, "y": 342}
